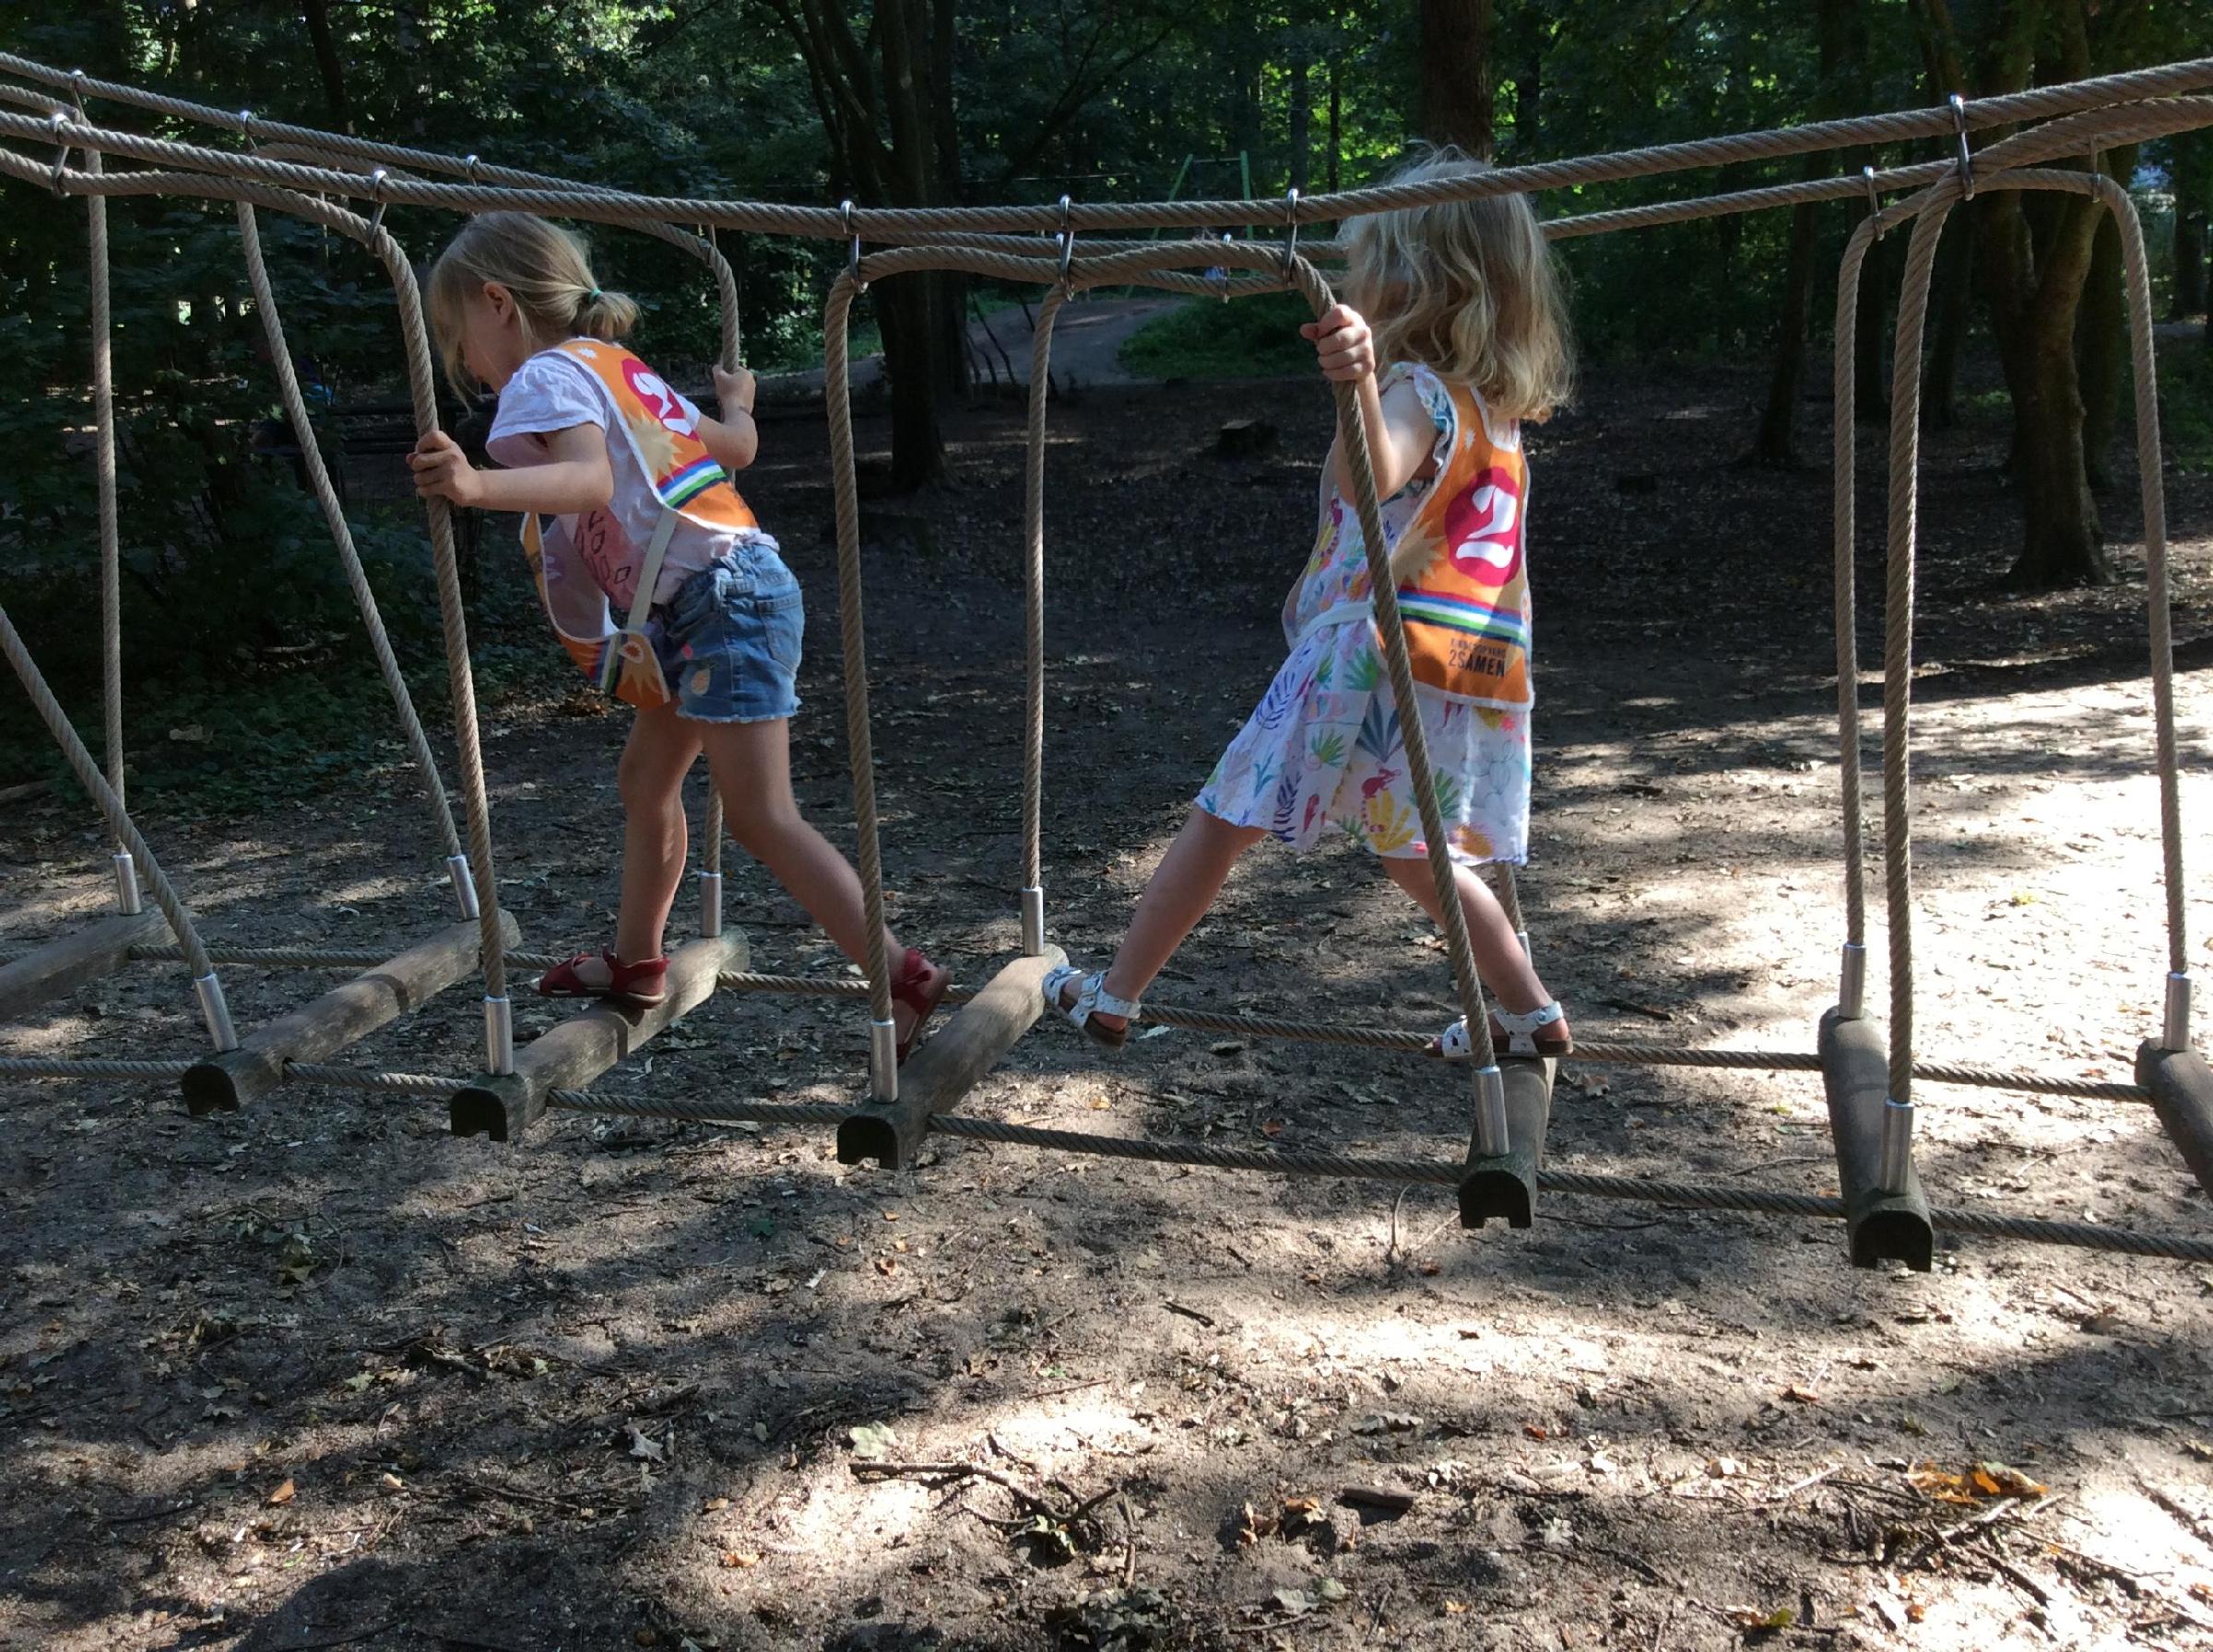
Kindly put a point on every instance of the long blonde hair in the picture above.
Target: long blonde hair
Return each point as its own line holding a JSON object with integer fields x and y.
{"x": 548, "y": 270}
{"x": 1467, "y": 288}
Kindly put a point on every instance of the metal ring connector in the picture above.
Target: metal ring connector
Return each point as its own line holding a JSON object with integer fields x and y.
{"x": 1874, "y": 201}
{"x": 376, "y": 193}
{"x": 1066, "y": 236}
{"x": 77, "y": 94}
{"x": 1290, "y": 229}
{"x": 59, "y": 120}
{"x": 469, "y": 167}
{"x": 246, "y": 127}
{"x": 1967, "y": 165}
{"x": 844, "y": 213}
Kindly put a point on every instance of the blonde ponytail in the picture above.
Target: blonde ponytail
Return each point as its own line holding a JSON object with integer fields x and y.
{"x": 546, "y": 268}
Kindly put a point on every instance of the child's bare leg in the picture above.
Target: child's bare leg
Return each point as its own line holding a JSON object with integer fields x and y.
{"x": 1181, "y": 889}
{"x": 655, "y": 759}
{"x": 751, "y": 763}
{"x": 1499, "y": 959}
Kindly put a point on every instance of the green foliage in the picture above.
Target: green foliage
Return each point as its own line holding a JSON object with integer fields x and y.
{"x": 2186, "y": 405}
{"x": 1250, "y": 338}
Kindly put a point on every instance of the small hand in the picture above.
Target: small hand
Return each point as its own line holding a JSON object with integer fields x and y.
{"x": 1342, "y": 341}
{"x": 734, "y": 390}
{"x": 443, "y": 470}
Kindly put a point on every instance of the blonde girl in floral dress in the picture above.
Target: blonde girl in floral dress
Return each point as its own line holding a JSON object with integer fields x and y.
{"x": 1459, "y": 302}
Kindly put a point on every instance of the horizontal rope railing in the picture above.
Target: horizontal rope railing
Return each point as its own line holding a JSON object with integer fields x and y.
{"x": 881, "y": 223}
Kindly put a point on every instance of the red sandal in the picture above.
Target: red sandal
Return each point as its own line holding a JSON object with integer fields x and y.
{"x": 644, "y": 983}
{"x": 911, "y": 987}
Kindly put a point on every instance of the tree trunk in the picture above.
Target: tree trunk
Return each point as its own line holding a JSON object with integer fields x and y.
{"x": 1336, "y": 155}
{"x": 1302, "y": 117}
{"x": 2189, "y": 265}
{"x": 2064, "y": 544}
{"x": 1456, "y": 73}
{"x": 1953, "y": 281}
{"x": 913, "y": 344}
{"x": 1774, "y": 447}
{"x": 2101, "y": 353}
{"x": 1529, "y": 83}
{"x": 328, "y": 65}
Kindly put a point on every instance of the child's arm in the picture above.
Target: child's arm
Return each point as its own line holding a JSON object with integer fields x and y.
{"x": 734, "y": 441}
{"x": 575, "y": 477}
{"x": 1399, "y": 433}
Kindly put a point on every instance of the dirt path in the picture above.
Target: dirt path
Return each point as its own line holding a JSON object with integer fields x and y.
{"x": 317, "y": 1373}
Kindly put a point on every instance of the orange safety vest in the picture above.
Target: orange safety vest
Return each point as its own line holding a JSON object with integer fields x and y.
{"x": 691, "y": 487}
{"x": 1463, "y": 587}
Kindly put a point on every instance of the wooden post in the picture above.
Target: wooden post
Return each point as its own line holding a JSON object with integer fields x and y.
{"x": 1505, "y": 1185}
{"x": 71, "y": 962}
{"x": 946, "y": 1067}
{"x": 2181, "y": 1094}
{"x": 1884, "y": 1224}
{"x": 338, "y": 1019}
{"x": 502, "y": 1105}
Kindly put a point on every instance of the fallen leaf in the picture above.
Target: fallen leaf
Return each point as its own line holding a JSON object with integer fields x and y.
{"x": 1803, "y": 1395}
{"x": 1272, "y": 1128}
{"x": 872, "y": 1442}
{"x": 283, "y": 1495}
{"x": 1753, "y": 1621}
{"x": 1329, "y": 1588}
{"x": 1536, "y": 1432}
{"x": 733, "y": 1559}
{"x": 714, "y": 1505}
{"x": 1454, "y": 1607}
{"x": 1725, "y": 1467}
{"x": 1297, "y": 1602}
{"x": 643, "y": 1449}
{"x": 392, "y": 1482}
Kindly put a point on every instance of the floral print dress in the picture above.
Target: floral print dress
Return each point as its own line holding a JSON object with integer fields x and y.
{"x": 1323, "y": 749}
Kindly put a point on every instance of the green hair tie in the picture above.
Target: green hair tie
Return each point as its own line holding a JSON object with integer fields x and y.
{"x": 594, "y": 296}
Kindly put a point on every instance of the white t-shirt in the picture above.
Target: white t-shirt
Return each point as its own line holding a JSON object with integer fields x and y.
{"x": 550, "y": 392}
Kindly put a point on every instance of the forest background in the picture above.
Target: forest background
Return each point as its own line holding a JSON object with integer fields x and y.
{"x": 239, "y": 620}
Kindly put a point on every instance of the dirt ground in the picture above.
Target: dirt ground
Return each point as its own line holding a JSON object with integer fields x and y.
{"x": 316, "y": 1374}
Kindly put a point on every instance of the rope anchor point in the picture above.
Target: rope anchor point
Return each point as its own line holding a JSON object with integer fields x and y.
{"x": 1967, "y": 165}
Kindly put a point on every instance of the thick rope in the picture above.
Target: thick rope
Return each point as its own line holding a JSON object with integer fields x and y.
{"x": 341, "y": 534}
{"x": 879, "y": 223}
{"x": 853, "y": 634}
{"x": 119, "y": 825}
{"x": 1844, "y": 415}
{"x": 40, "y": 1066}
{"x": 1033, "y": 592}
{"x": 111, "y": 537}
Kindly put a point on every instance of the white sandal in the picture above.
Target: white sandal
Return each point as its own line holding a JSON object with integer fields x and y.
{"x": 1512, "y": 1035}
{"x": 1091, "y": 998}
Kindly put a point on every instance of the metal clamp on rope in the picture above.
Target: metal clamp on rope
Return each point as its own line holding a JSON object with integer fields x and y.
{"x": 126, "y": 884}
{"x": 376, "y": 193}
{"x": 216, "y": 1011}
{"x": 2175, "y": 1031}
{"x": 246, "y": 127}
{"x": 710, "y": 904}
{"x": 844, "y": 211}
{"x": 1033, "y": 920}
{"x": 1967, "y": 165}
{"x": 1851, "y": 982}
{"x": 464, "y": 880}
{"x": 1897, "y": 1161}
{"x": 77, "y": 95}
{"x": 59, "y": 120}
{"x": 883, "y": 1061}
{"x": 1874, "y": 201}
{"x": 468, "y": 168}
{"x": 1067, "y": 238}
{"x": 1290, "y": 230}
{"x": 499, "y": 1034}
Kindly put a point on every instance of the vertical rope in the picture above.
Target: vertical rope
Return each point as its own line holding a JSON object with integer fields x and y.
{"x": 111, "y": 540}
{"x": 2156, "y": 595}
{"x": 476, "y": 803}
{"x": 1844, "y": 464}
{"x": 111, "y": 804}
{"x": 844, "y": 490}
{"x": 1898, "y": 630}
{"x": 1033, "y": 611}
{"x": 341, "y": 535}
{"x": 725, "y": 297}
{"x": 1383, "y": 592}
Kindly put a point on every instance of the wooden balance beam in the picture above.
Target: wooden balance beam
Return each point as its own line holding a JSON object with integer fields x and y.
{"x": 947, "y": 1067}
{"x": 1883, "y": 1225}
{"x": 339, "y": 1019}
{"x": 2181, "y": 1094}
{"x": 75, "y": 960}
{"x": 1505, "y": 1185}
{"x": 502, "y": 1105}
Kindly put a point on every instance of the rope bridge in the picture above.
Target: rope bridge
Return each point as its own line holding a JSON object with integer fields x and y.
{"x": 1869, "y": 1074}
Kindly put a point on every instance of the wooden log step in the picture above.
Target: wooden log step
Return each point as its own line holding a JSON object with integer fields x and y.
{"x": 72, "y": 960}
{"x": 1883, "y": 1225}
{"x": 1505, "y": 1185}
{"x": 949, "y": 1064}
{"x": 339, "y": 1019}
{"x": 2181, "y": 1094}
{"x": 502, "y": 1105}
